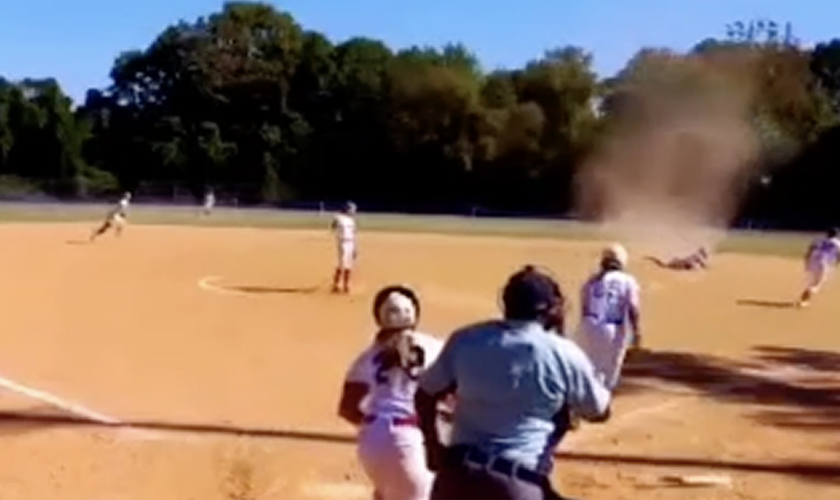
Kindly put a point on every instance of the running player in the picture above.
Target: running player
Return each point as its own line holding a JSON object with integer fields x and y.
{"x": 609, "y": 315}
{"x": 822, "y": 255}
{"x": 115, "y": 219}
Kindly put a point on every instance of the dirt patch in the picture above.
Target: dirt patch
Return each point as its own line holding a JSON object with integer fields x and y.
{"x": 237, "y": 391}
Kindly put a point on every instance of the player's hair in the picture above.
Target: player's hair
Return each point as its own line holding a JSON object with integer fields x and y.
{"x": 395, "y": 343}
{"x": 610, "y": 264}
{"x": 833, "y": 232}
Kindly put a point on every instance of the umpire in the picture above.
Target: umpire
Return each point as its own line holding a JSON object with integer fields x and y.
{"x": 516, "y": 381}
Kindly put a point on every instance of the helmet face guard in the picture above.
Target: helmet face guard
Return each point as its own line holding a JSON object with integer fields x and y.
{"x": 396, "y": 307}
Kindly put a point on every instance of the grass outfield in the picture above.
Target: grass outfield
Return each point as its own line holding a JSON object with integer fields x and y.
{"x": 782, "y": 244}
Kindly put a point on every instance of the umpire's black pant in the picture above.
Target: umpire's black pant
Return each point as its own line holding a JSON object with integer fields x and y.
{"x": 469, "y": 474}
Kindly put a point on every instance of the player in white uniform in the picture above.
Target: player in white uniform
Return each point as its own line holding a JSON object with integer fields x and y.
{"x": 378, "y": 398}
{"x": 209, "y": 201}
{"x": 344, "y": 229}
{"x": 697, "y": 260}
{"x": 822, "y": 255}
{"x": 610, "y": 302}
{"x": 116, "y": 218}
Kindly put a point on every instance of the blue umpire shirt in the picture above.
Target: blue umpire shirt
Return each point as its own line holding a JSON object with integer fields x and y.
{"x": 512, "y": 378}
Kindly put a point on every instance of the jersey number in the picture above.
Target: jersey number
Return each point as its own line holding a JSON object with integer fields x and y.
{"x": 385, "y": 362}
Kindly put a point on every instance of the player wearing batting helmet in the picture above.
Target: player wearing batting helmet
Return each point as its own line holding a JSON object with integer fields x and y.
{"x": 384, "y": 375}
{"x": 610, "y": 320}
{"x": 517, "y": 380}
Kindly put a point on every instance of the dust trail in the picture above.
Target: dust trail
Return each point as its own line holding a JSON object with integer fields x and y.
{"x": 673, "y": 168}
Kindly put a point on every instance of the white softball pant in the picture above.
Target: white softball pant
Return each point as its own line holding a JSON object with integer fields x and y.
{"x": 394, "y": 460}
{"x": 346, "y": 254}
{"x": 605, "y": 345}
{"x": 816, "y": 274}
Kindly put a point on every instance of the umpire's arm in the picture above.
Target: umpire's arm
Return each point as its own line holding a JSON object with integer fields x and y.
{"x": 437, "y": 382}
{"x": 588, "y": 396}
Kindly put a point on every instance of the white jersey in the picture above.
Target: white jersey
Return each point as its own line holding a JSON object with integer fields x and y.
{"x": 344, "y": 227}
{"x": 121, "y": 209}
{"x": 392, "y": 391}
{"x": 824, "y": 252}
{"x": 606, "y": 299}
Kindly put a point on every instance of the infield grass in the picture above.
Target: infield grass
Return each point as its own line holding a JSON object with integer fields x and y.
{"x": 753, "y": 242}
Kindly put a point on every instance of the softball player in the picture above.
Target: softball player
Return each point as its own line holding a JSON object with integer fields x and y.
{"x": 609, "y": 315}
{"x": 822, "y": 255}
{"x": 344, "y": 229}
{"x": 517, "y": 380}
{"x": 116, "y": 218}
{"x": 209, "y": 202}
{"x": 390, "y": 444}
{"x": 698, "y": 260}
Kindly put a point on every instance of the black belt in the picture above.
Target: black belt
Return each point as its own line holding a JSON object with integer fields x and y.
{"x": 604, "y": 321}
{"x": 474, "y": 457}
{"x": 394, "y": 421}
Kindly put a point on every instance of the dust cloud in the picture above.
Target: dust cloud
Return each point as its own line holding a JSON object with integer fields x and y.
{"x": 674, "y": 165}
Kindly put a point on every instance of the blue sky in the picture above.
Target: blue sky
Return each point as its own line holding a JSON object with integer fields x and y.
{"x": 76, "y": 41}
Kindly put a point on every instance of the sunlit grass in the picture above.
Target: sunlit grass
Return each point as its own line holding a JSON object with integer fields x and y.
{"x": 782, "y": 244}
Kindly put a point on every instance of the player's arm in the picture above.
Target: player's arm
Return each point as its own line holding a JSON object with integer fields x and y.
{"x": 355, "y": 389}
{"x": 446, "y": 405}
{"x": 349, "y": 407}
{"x": 809, "y": 252}
{"x": 435, "y": 384}
{"x": 634, "y": 313}
{"x": 588, "y": 397}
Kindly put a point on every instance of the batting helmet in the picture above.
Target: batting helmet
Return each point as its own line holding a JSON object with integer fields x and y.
{"x": 833, "y": 232}
{"x": 396, "y": 307}
{"x": 614, "y": 256}
{"x": 531, "y": 294}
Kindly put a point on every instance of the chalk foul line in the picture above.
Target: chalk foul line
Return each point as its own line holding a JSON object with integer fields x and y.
{"x": 624, "y": 421}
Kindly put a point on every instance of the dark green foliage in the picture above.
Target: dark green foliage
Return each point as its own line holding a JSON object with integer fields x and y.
{"x": 249, "y": 102}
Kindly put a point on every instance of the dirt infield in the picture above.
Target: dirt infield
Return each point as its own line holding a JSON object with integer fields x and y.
{"x": 225, "y": 349}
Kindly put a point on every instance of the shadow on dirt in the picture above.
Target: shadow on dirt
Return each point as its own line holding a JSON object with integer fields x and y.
{"x": 265, "y": 290}
{"x": 820, "y": 471}
{"x": 33, "y": 420}
{"x": 794, "y": 388}
{"x": 809, "y": 359}
{"x": 37, "y": 418}
{"x": 769, "y": 304}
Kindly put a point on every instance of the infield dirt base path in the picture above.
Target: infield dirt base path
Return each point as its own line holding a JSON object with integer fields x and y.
{"x": 186, "y": 329}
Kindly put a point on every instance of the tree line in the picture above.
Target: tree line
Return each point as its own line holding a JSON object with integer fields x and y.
{"x": 250, "y": 103}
